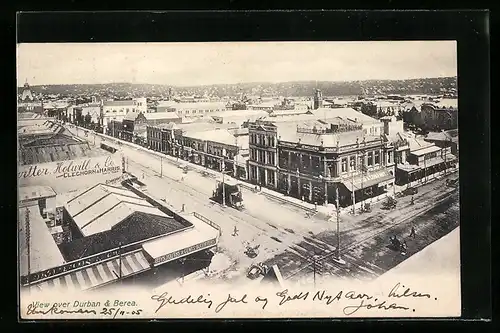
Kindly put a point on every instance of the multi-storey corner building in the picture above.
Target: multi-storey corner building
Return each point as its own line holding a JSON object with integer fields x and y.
{"x": 310, "y": 159}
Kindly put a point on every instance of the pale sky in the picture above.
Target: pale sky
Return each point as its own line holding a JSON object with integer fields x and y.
{"x": 185, "y": 64}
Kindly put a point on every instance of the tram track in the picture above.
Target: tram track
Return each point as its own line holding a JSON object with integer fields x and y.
{"x": 344, "y": 250}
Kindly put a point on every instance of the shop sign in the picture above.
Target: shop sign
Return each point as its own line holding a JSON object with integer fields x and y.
{"x": 185, "y": 251}
{"x": 70, "y": 169}
{"x": 73, "y": 265}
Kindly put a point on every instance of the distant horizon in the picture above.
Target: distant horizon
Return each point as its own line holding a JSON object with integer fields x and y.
{"x": 200, "y": 64}
{"x": 236, "y": 83}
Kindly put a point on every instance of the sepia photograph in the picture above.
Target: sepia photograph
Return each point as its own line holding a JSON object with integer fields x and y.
{"x": 238, "y": 180}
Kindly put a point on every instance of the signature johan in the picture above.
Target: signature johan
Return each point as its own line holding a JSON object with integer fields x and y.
{"x": 398, "y": 291}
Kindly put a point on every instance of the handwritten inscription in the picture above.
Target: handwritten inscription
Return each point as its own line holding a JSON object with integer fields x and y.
{"x": 287, "y": 298}
{"x": 231, "y": 299}
{"x": 348, "y": 302}
{"x": 120, "y": 308}
{"x": 396, "y": 292}
{"x": 165, "y": 299}
{"x": 355, "y": 300}
{"x": 351, "y": 309}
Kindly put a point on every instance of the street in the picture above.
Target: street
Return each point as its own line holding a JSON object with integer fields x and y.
{"x": 286, "y": 236}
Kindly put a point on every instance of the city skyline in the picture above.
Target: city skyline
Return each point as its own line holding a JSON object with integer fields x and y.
{"x": 198, "y": 64}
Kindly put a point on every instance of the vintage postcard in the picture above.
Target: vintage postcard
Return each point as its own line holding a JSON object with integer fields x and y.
{"x": 238, "y": 180}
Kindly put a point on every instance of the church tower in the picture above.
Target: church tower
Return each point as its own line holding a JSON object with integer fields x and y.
{"x": 27, "y": 95}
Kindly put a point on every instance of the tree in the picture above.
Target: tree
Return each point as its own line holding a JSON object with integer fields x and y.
{"x": 369, "y": 109}
{"x": 87, "y": 119}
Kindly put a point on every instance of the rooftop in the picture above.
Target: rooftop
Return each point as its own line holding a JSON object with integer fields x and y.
{"x": 218, "y": 135}
{"x": 416, "y": 143}
{"x": 102, "y": 207}
{"x": 52, "y": 149}
{"x": 290, "y": 134}
{"x": 119, "y": 103}
{"x": 426, "y": 150}
{"x": 140, "y": 226}
{"x": 200, "y": 105}
{"x": 160, "y": 115}
{"x": 131, "y": 116}
{"x": 35, "y": 192}
{"x": 169, "y": 244}
{"x": 44, "y": 253}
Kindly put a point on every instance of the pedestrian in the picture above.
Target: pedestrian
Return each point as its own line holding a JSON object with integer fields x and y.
{"x": 412, "y": 232}
{"x": 260, "y": 188}
{"x": 183, "y": 206}
{"x": 235, "y": 231}
{"x": 315, "y": 205}
{"x": 412, "y": 201}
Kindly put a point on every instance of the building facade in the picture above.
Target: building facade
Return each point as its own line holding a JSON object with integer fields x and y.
{"x": 218, "y": 149}
{"x": 310, "y": 161}
{"x": 437, "y": 117}
{"x": 198, "y": 110}
{"x": 263, "y": 153}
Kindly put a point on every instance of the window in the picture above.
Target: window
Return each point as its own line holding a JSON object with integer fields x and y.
{"x": 344, "y": 165}
{"x": 377, "y": 157}
{"x": 389, "y": 157}
{"x": 187, "y": 111}
{"x": 370, "y": 158}
{"x": 352, "y": 163}
{"x": 272, "y": 141}
{"x": 262, "y": 156}
{"x": 127, "y": 110}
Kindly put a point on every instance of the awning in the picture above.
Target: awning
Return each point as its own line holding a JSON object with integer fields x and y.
{"x": 368, "y": 179}
{"x": 96, "y": 275}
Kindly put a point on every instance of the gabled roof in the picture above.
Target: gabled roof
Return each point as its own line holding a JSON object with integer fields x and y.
{"x": 102, "y": 207}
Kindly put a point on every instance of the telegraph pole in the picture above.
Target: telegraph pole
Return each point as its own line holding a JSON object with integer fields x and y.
{"x": 314, "y": 271}
{"x": 223, "y": 189}
{"x": 362, "y": 185}
{"x": 120, "y": 258}
{"x": 353, "y": 191}
{"x": 395, "y": 169}
{"x": 161, "y": 166}
{"x": 425, "y": 168}
{"x": 338, "y": 220}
